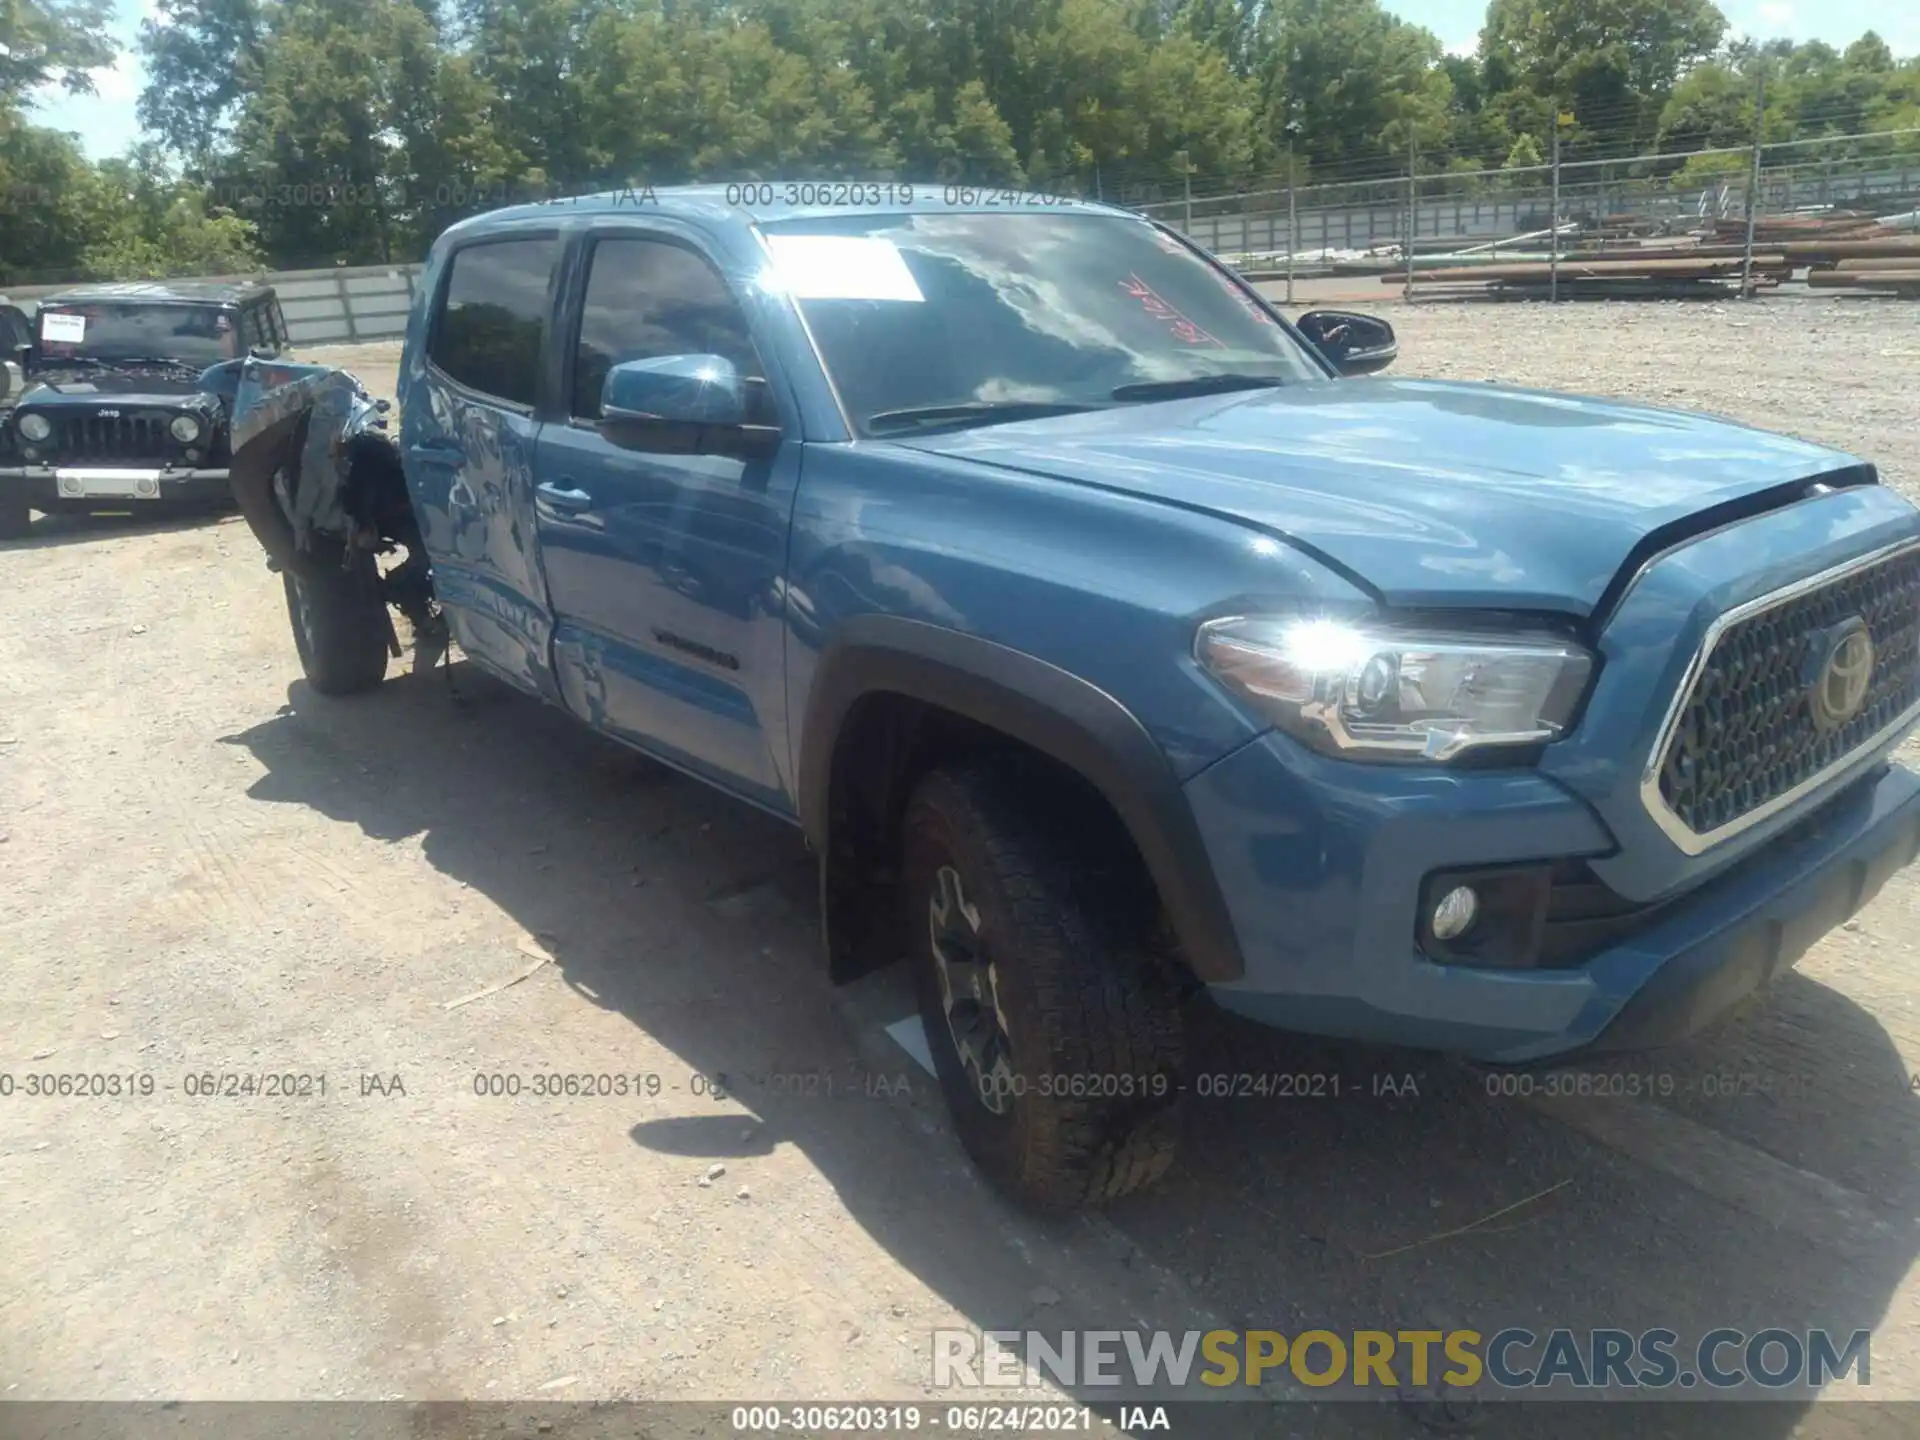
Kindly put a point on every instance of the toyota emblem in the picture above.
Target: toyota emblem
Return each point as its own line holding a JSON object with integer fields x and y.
{"x": 1842, "y": 673}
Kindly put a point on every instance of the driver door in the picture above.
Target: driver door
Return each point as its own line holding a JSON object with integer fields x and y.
{"x": 663, "y": 570}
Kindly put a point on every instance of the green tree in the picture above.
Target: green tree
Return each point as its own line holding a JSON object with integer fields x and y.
{"x": 146, "y": 222}
{"x": 669, "y": 98}
{"x": 1357, "y": 79}
{"x": 531, "y": 56}
{"x": 1869, "y": 53}
{"x": 60, "y": 41}
{"x": 355, "y": 130}
{"x": 202, "y": 58}
{"x": 1614, "y": 63}
{"x": 1524, "y": 155}
{"x": 44, "y": 214}
{"x": 1711, "y": 108}
{"x": 318, "y": 144}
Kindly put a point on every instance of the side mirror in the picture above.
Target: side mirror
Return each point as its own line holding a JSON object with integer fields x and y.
{"x": 262, "y": 352}
{"x": 684, "y": 404}
{"x": 1353, "y": 344}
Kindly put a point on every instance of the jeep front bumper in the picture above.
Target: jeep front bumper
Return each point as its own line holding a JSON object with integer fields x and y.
{"x": 51, "y": 488}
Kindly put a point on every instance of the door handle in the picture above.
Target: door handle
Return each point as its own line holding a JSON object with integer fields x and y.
{"x": 559, "y": 497}
{"x": 431, "y": 454}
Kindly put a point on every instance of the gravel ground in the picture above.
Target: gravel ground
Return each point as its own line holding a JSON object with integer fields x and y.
{"x": 1842, "y": 372}
{"x": 211, "y": 871}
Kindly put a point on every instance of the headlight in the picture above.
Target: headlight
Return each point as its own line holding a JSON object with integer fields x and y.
{"x": 1366, "y": 690}
{"x": 185, "y": 429}
{"x": 35, "y": 427}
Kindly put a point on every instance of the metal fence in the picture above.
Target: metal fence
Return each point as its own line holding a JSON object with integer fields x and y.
{"x": 1878, "y": 171}
{"x": 323, "y": 307}
{"x": 1386, "y": 211}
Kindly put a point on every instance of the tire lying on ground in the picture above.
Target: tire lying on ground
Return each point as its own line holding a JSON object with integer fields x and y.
{"x": 340, "y": 625}
{"x": 1055, "y": 1028}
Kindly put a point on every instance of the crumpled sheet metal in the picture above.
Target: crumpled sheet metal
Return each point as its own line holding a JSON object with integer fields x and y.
{"x": 270, "y": 393}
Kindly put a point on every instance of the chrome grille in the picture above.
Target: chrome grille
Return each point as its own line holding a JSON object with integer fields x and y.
{"x": 1746, "y": 740}
{"x": 124, "y": 437}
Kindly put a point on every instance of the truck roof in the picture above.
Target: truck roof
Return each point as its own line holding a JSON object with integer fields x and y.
{"x": 162, "y": 292}
{"x": 740, "y": 203}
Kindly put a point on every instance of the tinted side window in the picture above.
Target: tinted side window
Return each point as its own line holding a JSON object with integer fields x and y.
{"x": 487, "y": 334}
{"x": 259, "y": 331}
{"x": 646, "y": 299}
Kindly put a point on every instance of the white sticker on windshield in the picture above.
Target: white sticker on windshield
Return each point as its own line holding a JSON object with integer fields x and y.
{"x": 64, "y": 329}
{"x": 842, "y": 267}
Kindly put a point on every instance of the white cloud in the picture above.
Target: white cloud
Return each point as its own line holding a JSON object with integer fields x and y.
{"x": 1777, "y": 15}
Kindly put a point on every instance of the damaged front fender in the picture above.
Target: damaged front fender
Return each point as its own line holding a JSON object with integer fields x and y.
{"x": 319, "y": 482}
{"x": 309, "y": 449}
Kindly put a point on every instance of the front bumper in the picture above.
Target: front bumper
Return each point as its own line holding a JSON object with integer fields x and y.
{"x": 41, "y": 487}
{"x": 1321, "y": 864}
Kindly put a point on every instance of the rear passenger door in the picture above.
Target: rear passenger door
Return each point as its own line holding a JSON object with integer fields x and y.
{"x": 665, "y": 569}
{"x": 469, "y": 430}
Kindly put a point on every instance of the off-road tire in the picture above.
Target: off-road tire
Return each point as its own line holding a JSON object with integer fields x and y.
{"x": 1092, "y": 1008}
{"x": 342, "y": 630}
{"x": 14, "y": 520}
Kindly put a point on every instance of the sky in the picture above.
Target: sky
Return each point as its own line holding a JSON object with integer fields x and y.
{"x": 105, "y": 123}
{"x": 1838, "y": 22}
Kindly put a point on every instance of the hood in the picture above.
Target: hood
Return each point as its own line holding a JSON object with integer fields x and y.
{"x": 1426, "y": 492}
{"x": 49, "y": 388}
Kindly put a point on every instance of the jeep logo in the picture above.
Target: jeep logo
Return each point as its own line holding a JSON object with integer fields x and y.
{"x": 108, "y": 414}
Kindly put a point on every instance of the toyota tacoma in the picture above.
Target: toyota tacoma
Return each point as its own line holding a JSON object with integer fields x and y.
{"x": 1112, "y": 645}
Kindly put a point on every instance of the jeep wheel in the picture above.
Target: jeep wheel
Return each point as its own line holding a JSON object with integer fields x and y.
{"x": 1054, "y": 1026}
{"x": 340, "y": 627}
{"x": 14, "y": 519}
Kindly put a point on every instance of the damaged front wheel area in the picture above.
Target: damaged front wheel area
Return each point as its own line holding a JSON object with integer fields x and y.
{"x": 319, "y": 482}
{"x": 340, "y": 625}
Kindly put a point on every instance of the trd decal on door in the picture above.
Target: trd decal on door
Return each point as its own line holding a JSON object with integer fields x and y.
{"x": 695, "y": 648}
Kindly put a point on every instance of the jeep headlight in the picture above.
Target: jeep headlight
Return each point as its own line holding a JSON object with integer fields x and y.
{"x": 185, "y": 429}
{"x": 1367, "y": 690}
{"x": 35, "y": 427}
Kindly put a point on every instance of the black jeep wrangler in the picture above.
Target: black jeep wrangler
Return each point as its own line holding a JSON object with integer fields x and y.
{"x": 111, "y": 414}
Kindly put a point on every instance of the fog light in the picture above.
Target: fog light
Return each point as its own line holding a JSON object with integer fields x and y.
{"x": 1455, "y": 913}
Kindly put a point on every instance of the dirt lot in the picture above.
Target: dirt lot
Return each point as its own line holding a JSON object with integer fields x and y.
{"x": 210, "y": 871}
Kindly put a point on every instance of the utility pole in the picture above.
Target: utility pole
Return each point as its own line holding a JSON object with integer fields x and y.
{"x": 1413, "y": 213}
{"x": 1293, "y": 243}
{"x": 1753, "y": 181}
{"x": 1186, "y": 182}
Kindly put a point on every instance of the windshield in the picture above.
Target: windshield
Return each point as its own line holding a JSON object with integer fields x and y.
{"x": 1008, "y": 315}
{"x": 105, "y": 330}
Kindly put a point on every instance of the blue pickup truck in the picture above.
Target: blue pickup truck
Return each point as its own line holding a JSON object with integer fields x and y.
{"x": 1111, "y": 645}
